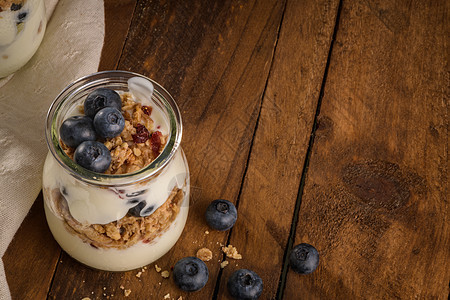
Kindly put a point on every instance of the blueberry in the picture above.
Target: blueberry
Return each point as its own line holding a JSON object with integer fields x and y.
{"x": 101, "y": 98}
{"x": 135, "y": 194}
{"x": 133, "y": 201}
{"x": 221, "y": 214}
{"x": 21, "y": 17}
{"x": 245, "y": 284}
{"x": 93, "y": 156}
{"x": 139, "y": 211}
{"x": 190, "y": 274}
{"x": 15, "y": 7}
{"x": 77, "y": 129}
{"x": 109, "y": 122}
{"x": 304, "y": 258}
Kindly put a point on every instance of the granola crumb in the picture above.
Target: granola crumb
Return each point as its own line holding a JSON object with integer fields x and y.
{"x": 165, "y": 274}
{"x": 127, "y": 293}
{"x": 104, "y": 288}
{"x": 231, "y": 252}
{"x": 180, "y": 298}
{"x": 224, "y": 264}
{"x": 158, "y": 269}
{"x": 86, "y": 298}
{"x": 204, "y": 254}
{"x": 167, "y": 296}
{"x": 206, "y": 232}
{"x": 122, "y": 287}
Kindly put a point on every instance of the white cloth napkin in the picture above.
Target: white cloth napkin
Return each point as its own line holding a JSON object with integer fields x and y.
{"x": 70, "y": 49}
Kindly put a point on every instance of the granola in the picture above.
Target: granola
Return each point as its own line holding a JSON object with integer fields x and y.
{"x": 204, "y": 254}
{"x": 231, "y": 252}
{"x": 138, "y": 144}
{"x": 122, "y": 233}
{"x": 6, "y": 4}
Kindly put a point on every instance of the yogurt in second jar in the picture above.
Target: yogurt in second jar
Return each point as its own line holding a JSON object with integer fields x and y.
{"x": 22, "y": 28}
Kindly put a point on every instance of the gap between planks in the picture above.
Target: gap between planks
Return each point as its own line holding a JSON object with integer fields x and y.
{"x": 219, "y": 276}
{"x": 294, "y": 223}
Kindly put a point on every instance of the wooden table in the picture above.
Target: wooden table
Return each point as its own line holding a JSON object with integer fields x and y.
{"x": 324, "y": 121}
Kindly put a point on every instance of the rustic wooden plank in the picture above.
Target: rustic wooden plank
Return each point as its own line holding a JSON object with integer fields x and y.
{"x": 32, "y": 256}
{"x": 375, "y": 203}
{"x": 118, "y": 15}
{"x": 214, "y": 57}
{"x": 269, "y": 193}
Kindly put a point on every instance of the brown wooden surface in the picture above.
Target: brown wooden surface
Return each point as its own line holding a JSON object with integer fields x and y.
{"x": 279, "y": 117}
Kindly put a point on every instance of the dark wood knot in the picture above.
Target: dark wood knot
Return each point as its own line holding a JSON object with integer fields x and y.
{"x": 379, "y": 184}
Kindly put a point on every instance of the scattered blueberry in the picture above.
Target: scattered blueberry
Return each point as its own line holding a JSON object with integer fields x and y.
{"x": 101, "y": 98}
{"x": 93, "y": 156}
{"x": 304, "y": 258}
{"x": 245, "y": 284}
{"x": 190, "y": 274}
{"x": 109, "y": 122}
{"x": 77, "y": 129}
{"x": 139, "y": 211}
{"x": 221, "y": 214}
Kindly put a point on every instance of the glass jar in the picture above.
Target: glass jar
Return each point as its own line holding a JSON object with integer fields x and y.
{"x": 89, "y": 213}
{"x": 22, "y": 27}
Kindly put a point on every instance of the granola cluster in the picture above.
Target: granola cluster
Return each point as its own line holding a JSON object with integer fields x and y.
{"x": 138, "y": 144}
{"x": 11, "y": 4}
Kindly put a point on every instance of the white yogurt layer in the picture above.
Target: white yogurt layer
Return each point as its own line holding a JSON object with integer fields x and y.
{"x": 20, "y": 40}
{"x": 93, "y": 205}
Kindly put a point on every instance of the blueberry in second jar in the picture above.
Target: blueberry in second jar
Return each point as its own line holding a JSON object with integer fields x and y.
{"x": 245, "y": 284}
{"x": 93, "y": 156}
{"x": 77, "y": 129}
{"x": 109, "y": 122}
{"x": 101, "y": 98}
{"x": 190, "y": 274}
{"x": 221, "y": 214}
{"x": 304, "y": 258}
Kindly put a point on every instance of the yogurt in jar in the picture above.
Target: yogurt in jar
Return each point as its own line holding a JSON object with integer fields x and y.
{"x": 118, "y": 221}
{"x": 22, "y": 27}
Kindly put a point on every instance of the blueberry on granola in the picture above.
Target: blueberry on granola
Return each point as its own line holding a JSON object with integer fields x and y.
{"x": 101, "y": 98}
{"x": 221, "y": 214}
{"x": 245, "y": 284}
{"x": 77, "y": 129}
{"x": 190, "y": 274}
{"x": 93, "y": 156}
{"x": 109, "y": 122}
{"x": 304, "y": 258}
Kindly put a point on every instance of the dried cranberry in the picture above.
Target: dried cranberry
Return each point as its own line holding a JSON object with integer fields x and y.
{"x": 156, "y": 142}
{"x": 147, "y": 110}
{"x": 141, "y": 135}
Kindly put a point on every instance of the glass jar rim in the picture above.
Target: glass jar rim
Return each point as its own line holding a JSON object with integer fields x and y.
{"x": 100, "y": 78}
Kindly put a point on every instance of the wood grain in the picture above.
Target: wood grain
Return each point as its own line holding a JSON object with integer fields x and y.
{"x": 375, "y": 203}
{"x": 214, "y": 58}
{"x": 118, "y": 15}
{"x": 269, "y": 193}
{"x": 32, "y": 256}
